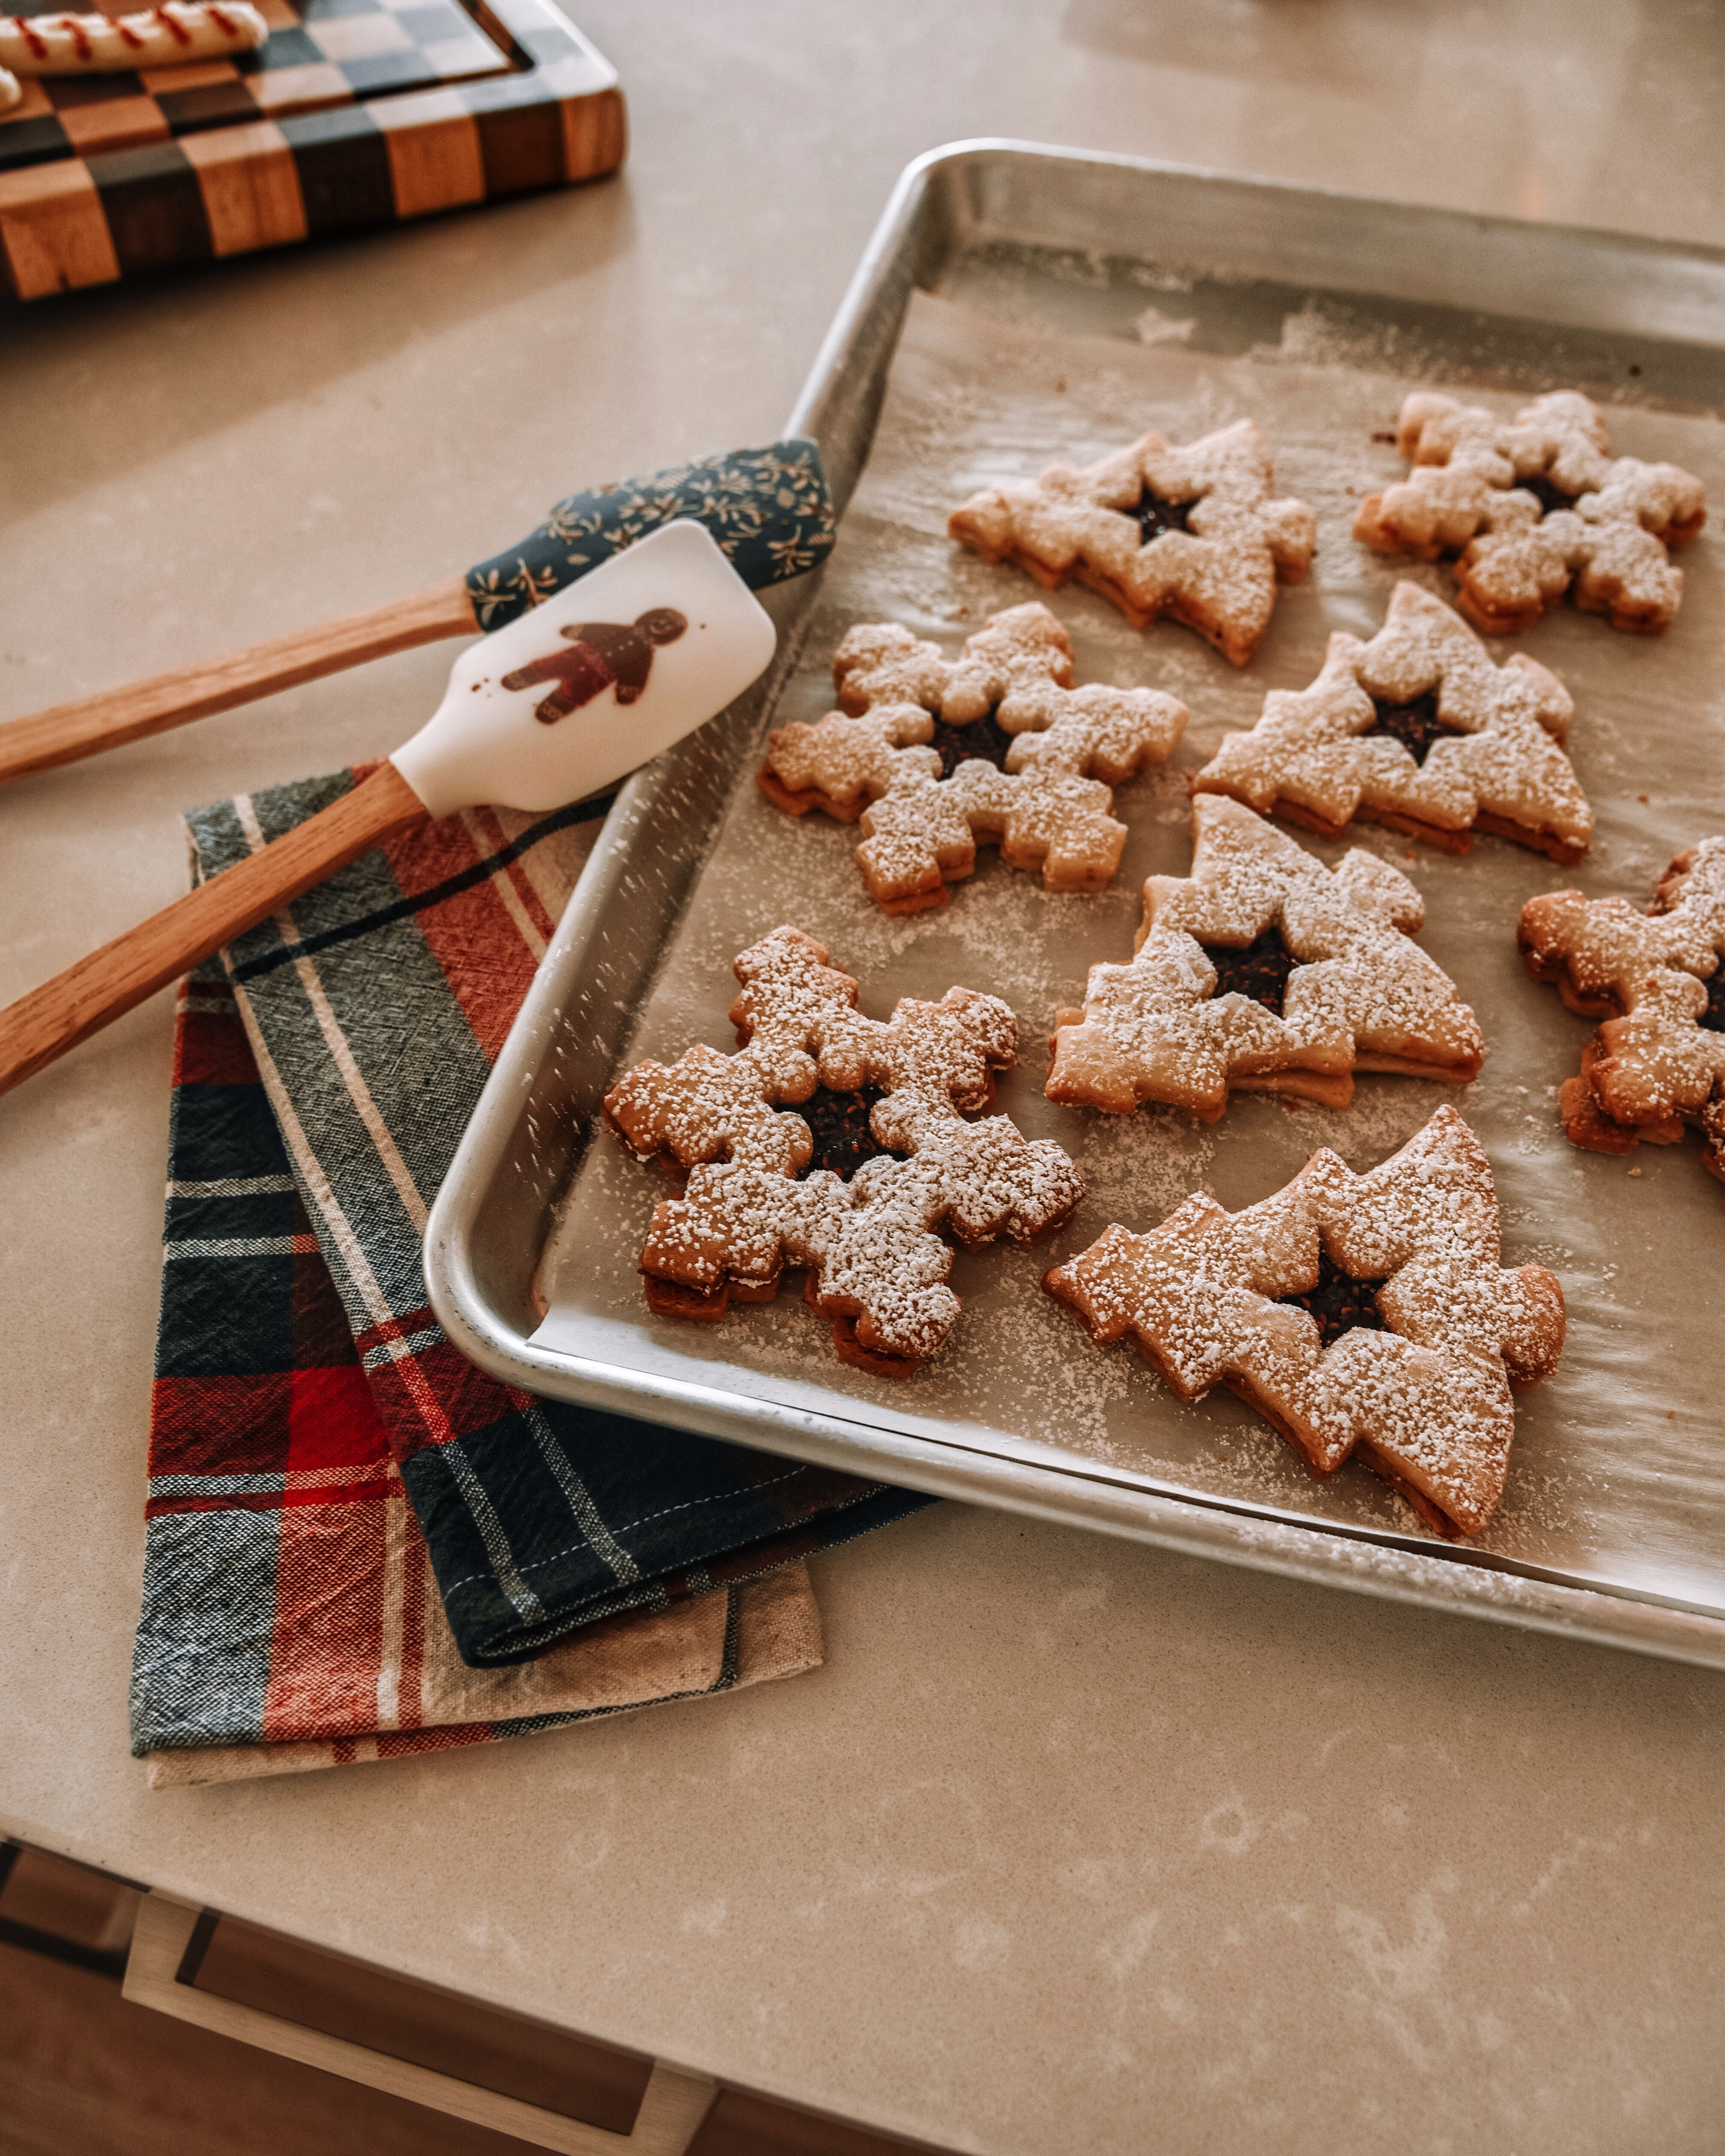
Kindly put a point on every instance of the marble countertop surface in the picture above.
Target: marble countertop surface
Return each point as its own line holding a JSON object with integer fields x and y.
{"x": 1072, "y": 1844}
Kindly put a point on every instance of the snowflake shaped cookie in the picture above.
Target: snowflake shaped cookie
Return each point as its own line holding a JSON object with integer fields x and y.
{"x": 884, "y": 1102}
{"x": 1192, "y": 532}
{"x": 1366, "y": 1314}
{"x": 1263, "y": 969}
{"x": 1657, "y": 978}
{"x": 933, "y": 754}
{"x": 1420, "y": 730}
{"x": 1536, "y": 506}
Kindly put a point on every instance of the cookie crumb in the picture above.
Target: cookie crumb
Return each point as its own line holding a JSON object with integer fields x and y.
{"x": 1635, "y": 1171}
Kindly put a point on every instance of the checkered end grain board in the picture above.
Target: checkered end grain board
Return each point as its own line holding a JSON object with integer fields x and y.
{"x": 357, "y": 112}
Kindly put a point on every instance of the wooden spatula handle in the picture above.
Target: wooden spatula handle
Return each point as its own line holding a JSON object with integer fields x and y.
{"x": 50, "y": 1019}
{"x": 116, "y": 716}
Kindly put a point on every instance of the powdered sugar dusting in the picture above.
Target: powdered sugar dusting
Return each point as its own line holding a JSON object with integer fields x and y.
{"x": 1049, "y": 808}
{"x": 1625, "y": 1430}
{"x": 1215, "y": 567}
{"x": 876, "y": 1263}
{"x": 1316, "y": 754}
{"x": 1205, "y": 1297}
{"x": 1604, "y": 530}
{"x": 1362, "y": 993}
{"x": 1660, "y": 1062}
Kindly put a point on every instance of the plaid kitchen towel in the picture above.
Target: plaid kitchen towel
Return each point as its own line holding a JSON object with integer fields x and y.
{"x": 288, "y": 1598}
{"x": 309, "y": 1411}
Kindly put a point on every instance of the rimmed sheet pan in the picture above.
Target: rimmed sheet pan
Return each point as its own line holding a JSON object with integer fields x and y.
{"x": 1017, "y": 304}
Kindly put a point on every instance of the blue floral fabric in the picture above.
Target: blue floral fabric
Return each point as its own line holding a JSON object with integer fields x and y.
{"x": 769, "y": 509}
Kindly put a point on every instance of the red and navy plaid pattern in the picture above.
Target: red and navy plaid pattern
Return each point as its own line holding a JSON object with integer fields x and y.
{"x": 316, "y": 1438}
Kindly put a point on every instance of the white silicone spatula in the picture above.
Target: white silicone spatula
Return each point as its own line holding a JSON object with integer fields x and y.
{"x": 554, "y": 708}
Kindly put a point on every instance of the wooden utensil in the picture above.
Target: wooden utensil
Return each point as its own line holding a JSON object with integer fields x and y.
{"x": 769, "y": 508}
{"x": 553, "y": 709}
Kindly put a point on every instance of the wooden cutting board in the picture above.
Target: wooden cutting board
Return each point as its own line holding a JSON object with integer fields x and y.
{"x": 356, "y": 113}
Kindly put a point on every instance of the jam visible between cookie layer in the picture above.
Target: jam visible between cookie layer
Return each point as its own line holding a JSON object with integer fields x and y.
{"x": 1339, "y": 1301}
{"x": 1415, "y": 725}
{"x": 1713, "y": 1017}
{"x": 1546, "y": 492}
{"x": 984, "y": 741}
{"x": 838, "y": 1123}
{"x": 1154, "y": 515}
{"x": 1257, "y": 970}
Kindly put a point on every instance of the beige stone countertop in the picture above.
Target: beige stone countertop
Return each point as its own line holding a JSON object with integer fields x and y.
{"x": 1071, "y": 1845}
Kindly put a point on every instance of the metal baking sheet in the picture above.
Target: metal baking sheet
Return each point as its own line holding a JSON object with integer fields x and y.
{"x": 987, "y": 332}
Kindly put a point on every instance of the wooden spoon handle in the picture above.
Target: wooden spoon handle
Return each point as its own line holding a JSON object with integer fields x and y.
{"x": 50, "y": 1019}
{"x": 71, "y": 730}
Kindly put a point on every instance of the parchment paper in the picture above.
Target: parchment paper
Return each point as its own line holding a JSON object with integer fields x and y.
{"x": 1618, "y": 1474}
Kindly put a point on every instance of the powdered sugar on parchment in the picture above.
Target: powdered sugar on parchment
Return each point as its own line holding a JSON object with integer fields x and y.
{"x": 974, "y": 400}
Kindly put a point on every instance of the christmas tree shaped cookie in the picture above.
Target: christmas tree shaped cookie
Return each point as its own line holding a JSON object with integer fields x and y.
{"x": 1262, "y": 968}
{"x": 1366, "y": 1314}
{"x": 1420, "y": 730}
{"x": 1536, "y": 506}
{"x": 1192, "y": 532}
{"x": 856, "y": 1187}
{"x": 933, "y": 754}
{"x": 1658, "y": 980}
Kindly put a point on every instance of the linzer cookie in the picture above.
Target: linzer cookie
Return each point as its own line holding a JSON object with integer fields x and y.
{"x": 1536, "y": 506}
{"x": 1266, "y": 970}
{"x": 1420, "y": 730}
{"x": 1192, "y": 532}
{"x": 854, "y": 1187}
{"x": 1359, "y": 1315}
{"x": 933, "y": 755}
{"x": 1658, "y": 1062}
